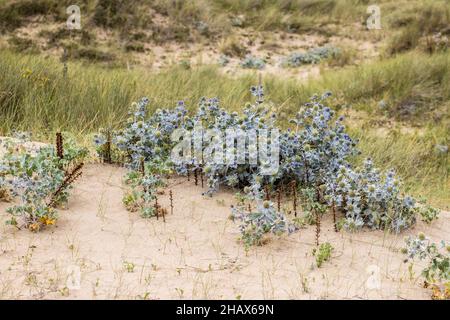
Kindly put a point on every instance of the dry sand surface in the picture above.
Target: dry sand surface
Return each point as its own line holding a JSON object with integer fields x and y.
{"x": 30, "y": 146}
{"x": 195, "y": 254}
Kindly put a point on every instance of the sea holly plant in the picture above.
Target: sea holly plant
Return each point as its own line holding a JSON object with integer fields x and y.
{"x": 224, "y": 60}
{"x": 264, "y": 219}
{"x": 145, "y": 146}
{"x": 256, "y": 122}
{"x": 312, "y": 56}
{"x": 107, "y": 151}
{"x": 317, "y": 145}
{"x": 40, "y": 180}
{"x": 313, "y": 209}
{"x": 427, "y": 213}
{"x": 148, "y": 137}
{"x": 369, "y": 197}
{"x": 144, "y": 184}
{"x": 437, "y": 256}
{"x": 251, "y": 62}
{"x": 314, "y": 153}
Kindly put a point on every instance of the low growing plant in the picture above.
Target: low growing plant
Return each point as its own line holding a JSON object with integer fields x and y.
{"x": 264, "y": 219}
{"x": 323, "y": 253}
{"x": 224, "y": 60}
{"x": 313, "y": 209}
{"x": 251, "y": 62}
{"x": 40, "y": 180}
{"x": 143, "y": 184}
{"x": 368, "y": 197}
{"x": 314, "y": 153}
{"x": 312, "y": 56}
{"x": 107, "y": 151}
{"x": 427, "y": 213}
{"x": 148, "y": 137}
{"x": 437, "y": 271}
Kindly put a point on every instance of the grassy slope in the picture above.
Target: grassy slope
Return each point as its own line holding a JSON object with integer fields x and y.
{"x": 35, "y": 97}
{"x": 260, "y": 14}
{"x": 406, "y": 23}
{"x": 297, "y": 15}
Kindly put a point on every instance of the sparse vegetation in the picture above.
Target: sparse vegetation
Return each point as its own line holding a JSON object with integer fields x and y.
{"x": 437, "y": 272}
{"x": 323, "y": 253}
{"x": 365, "y": 157}
{"x": 265, "y": 219}
{"x": 233, "y": 48}
{"x": 251, "y": 62}
{"x": 41, "y": 180}
{"x": 312, "y": 56}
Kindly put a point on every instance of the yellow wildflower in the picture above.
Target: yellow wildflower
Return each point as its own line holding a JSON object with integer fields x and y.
{"x": 48, "y": 221}
{"x": 34, "y": 227}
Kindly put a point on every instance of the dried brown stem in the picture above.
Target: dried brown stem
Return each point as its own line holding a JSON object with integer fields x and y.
{"x": 279, "y": 200}
{"x": 70, "y": 177}
{"x": 317, "y": 228}
{"x": 201, "y": 176}
{"x": 108, "y": 148}
{"x": 294, "y": 193}
{"x": 171, "y": 201}
{"x": 334, "y": 218}
{"x": 267, "y": 192}
{"x": 59, "y": 145}
{"x": 142, "y": 167}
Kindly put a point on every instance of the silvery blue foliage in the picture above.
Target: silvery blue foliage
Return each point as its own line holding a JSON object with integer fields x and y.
{"x": 144, "y": 186}
{"x": 441, "y": 148}
{"x": 314, "y": 152}
{"x": 258, "y": 91}
{"x": 312, "y": 56}
{"x": 34, "y": 178}
{"x": 224, "y": 60}
{"x": 148, "y": 138}
{"x": 251, "y": 62}
{"x": 255, "y": 119}
{"x": 370, "y": 198}
{"x": 146, "y": 143}
{"x": 99, "y": 140}
{"x": 263, "y": 220}
{"x": 317, "y": 146}
{"x": 437, "y": 255}
{"x": 417, "y": 247}
{"x": 202, "y": 27}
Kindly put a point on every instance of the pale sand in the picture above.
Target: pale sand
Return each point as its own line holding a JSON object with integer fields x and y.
{"x": 194, "y": 255}
{"x": 30, "y": 146}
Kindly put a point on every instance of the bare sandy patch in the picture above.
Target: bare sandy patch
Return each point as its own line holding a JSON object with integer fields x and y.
{"x": 194, "y": 254}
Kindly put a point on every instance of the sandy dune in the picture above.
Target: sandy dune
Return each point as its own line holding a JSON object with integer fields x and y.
{"x": 194, "y": 254}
